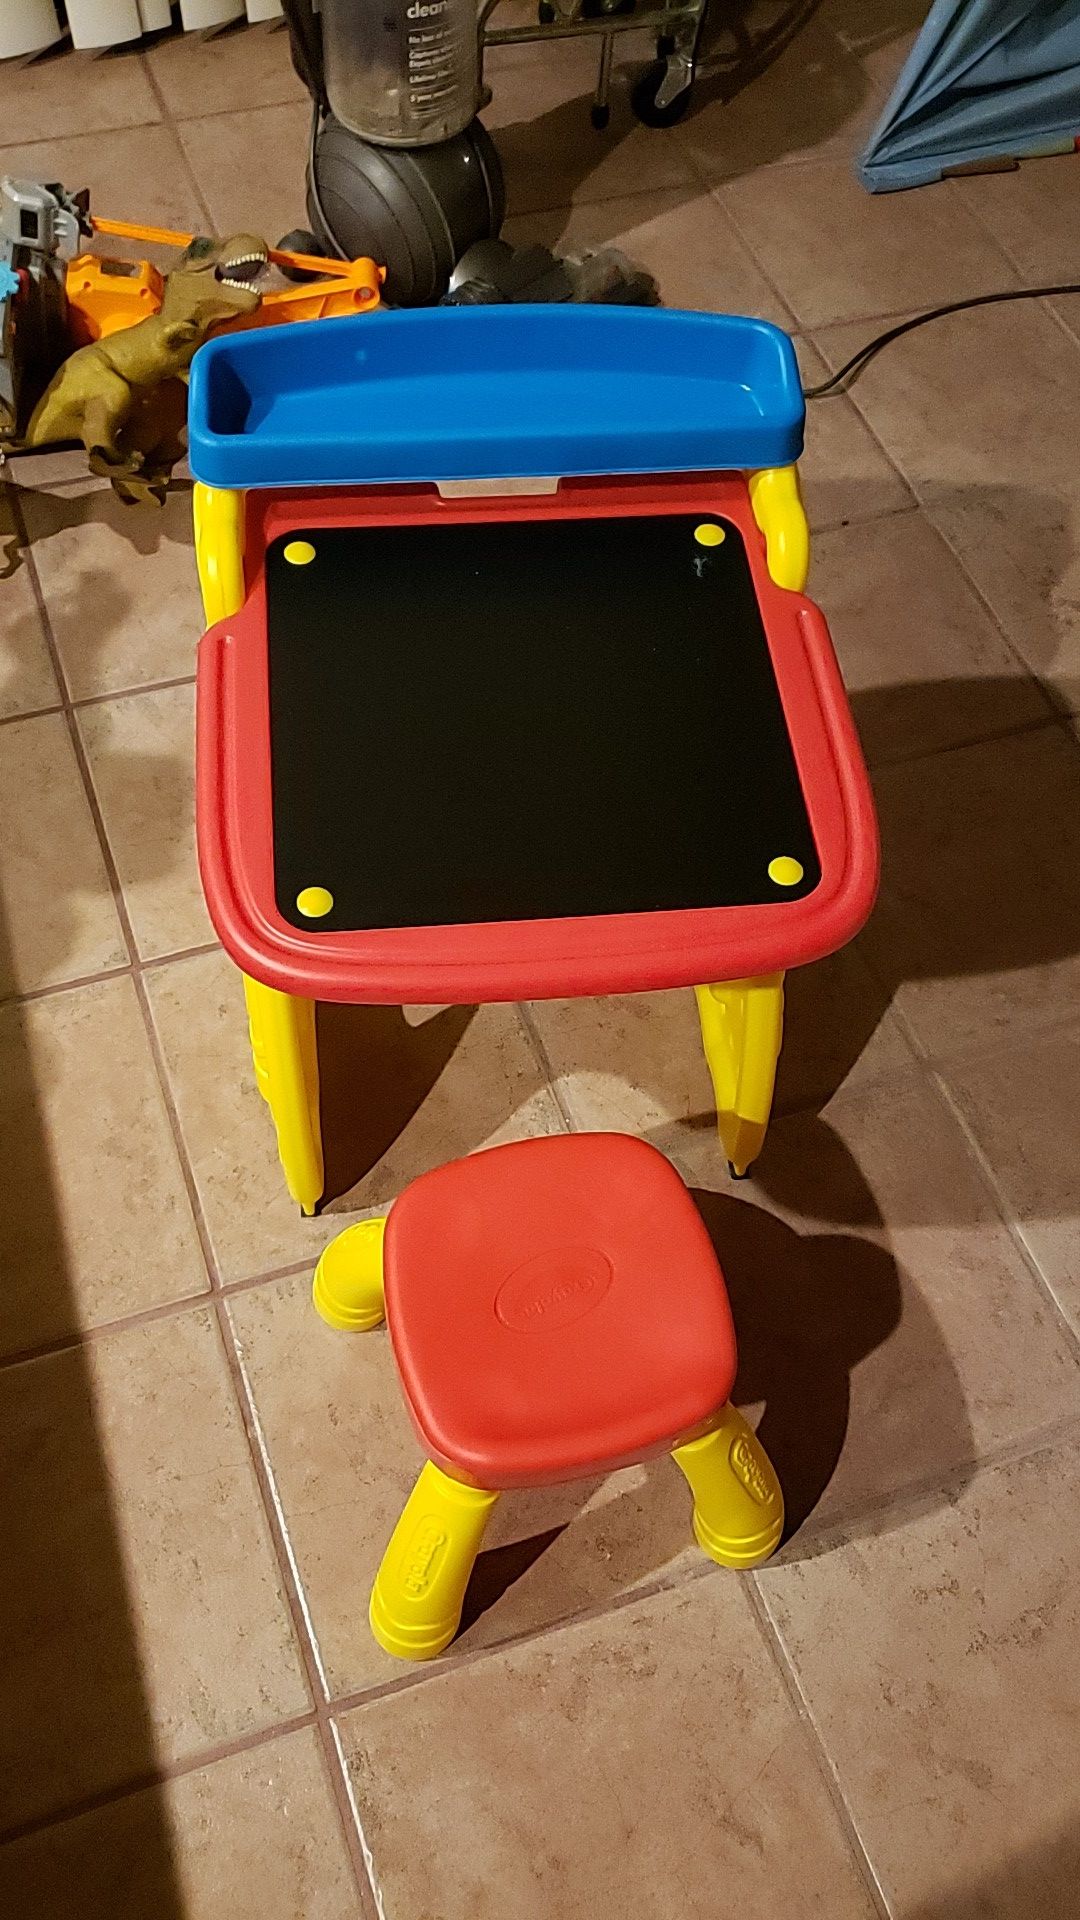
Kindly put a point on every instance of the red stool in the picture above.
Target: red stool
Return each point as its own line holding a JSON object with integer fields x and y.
{"x": 556, "y": 1309}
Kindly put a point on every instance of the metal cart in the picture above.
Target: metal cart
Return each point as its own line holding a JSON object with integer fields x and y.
{"x": 661, "y": 94}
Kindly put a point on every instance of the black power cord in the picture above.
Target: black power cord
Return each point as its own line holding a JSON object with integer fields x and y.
{"x": 849, "y": 373}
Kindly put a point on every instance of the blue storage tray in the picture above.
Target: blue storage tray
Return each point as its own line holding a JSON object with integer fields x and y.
{"x": 476, "y": 393}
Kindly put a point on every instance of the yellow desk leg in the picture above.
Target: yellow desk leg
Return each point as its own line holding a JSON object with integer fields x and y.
{"x": 778, "y": 510}
{"x": 742, "y": 1026}
{"x": 738, "y": 1505}
{"x": 283, "y": 1047}
{"x": 419, "y": 1588}
{"x": 219, "y": 550}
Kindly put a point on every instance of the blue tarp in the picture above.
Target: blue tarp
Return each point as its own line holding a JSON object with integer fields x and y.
{"x": 985, "y": 79}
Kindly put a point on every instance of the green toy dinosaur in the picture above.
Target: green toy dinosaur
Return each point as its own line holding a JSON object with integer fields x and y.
{"x": 124, "y": 396}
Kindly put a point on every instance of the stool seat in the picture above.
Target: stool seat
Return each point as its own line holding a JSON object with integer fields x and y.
{"x": 555, "y": 1305}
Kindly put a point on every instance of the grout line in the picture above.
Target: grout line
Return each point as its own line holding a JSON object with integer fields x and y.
{"x": 187, "y": 1172}
{"x": 860, "y": 418}
{"x": 90, "y": 1335}
{"x": 1023, "y": 273}
{"x": 1009, "y": 731}
{"x": 955, "y": 194}
{"x": 909, "y": 1502}
{"x": 30, "y": 562}
{"x": 422, "y": 1673}
{"x": 66, "y": 986}
{"x": 251, "y": 1280}
{"x": 1047, "y": 305}
{"x": 1051, "y": 693}
{"x": 713, "y": 190}
{"x": 827, "y": 1767}
{"x": 175, "y": 121}
{"x": 532, "y": 1032}
{"x": 341, "y": 1780}
{"x": 802, "y": 329}
{"x": 132, "y": 693}
{"x": 822, "y": 527}
{"x": 793, "y": 1680}
{"x": 292, "y": 1586}
{"x": 158, "y": 1776}
{"x": 122, "y": 972}
{"x": 1048, "y": 722}
{"x": 830, "y": 367}
{"x": 930, "y": 507}
{"x": 78, "y": 748}
{"x": 31, "y": 713}
{"x": 98, "y": 133}
{"x": 933, "y": 1067}
{"x": 1050, "y": 1027}
{"x": 168, "y": 121}
{"x": 159, "y": 960}
{"x": 140, "y": 1316}
{"x": 272, "y": 1500}
{"x": 1002, "y": 1205}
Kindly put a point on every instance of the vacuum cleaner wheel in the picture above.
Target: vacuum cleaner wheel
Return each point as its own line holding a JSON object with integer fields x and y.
{"x": 414, "y": 209}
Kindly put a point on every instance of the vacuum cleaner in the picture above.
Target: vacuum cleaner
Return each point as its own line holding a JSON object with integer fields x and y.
{"x": 399, "y": 167}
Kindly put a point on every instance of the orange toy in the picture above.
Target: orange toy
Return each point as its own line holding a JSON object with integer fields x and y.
{"x": 107, "y": 295}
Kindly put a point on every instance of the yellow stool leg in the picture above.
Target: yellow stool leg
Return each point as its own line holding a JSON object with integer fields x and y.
{"x": 742, "y": 1027}
{"x": 419, "y": 1588}
{"x": 283, "y": 1047}
{"x": 348, "y": 1284}
{"x": 738, "y": 1505}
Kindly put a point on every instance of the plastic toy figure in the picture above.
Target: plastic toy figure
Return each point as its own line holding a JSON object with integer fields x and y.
{"x": 122, "y": 395}
{"x": 97, "y": 349}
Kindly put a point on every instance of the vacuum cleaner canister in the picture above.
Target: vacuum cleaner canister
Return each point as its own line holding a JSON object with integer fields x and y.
{"x": 405, "y": 73}
{"x": 415, "y": 209}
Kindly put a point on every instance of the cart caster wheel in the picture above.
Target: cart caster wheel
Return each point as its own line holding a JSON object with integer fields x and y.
{"x": 545, "y": 13}
{"x": 599, "y": 117}
{"x": 643, "y": 98}
{"x": 299, "y": 241}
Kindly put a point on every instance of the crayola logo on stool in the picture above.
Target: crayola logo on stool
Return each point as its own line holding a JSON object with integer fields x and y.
{"x": 553, "y": 1289}
{"x": 749, "y": 1472}
{"x": 428, "y": 1543}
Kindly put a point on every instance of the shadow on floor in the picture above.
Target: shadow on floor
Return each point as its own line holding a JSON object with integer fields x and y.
{"x": 1026, "y": 1886}
{"x": 809, "y": 1309}
{"x": 376, "y": 1069}
{"x": 74, "y": 1723}
{"x": 790, "y": 72}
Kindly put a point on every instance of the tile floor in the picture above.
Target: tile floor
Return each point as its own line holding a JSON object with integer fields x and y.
{"x": 201, "y": 1476}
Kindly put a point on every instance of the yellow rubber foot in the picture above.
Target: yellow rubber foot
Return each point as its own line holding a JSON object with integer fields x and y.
{"x": 728, "y": 1551}
{"x": 348, "y": 1287}
{"x": 408, "y": 1642}
{"x": 738, "y": 1504}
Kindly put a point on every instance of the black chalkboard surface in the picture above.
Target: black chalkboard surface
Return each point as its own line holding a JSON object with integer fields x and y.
{"x": 515, "y": 721}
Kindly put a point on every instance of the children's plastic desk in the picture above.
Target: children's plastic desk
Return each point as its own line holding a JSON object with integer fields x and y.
{"x": 511, "y": 690}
